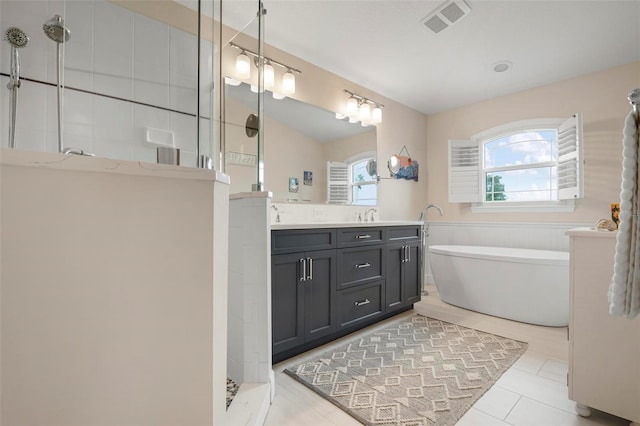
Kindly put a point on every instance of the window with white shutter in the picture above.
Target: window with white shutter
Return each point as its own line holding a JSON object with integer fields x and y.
{"x": 531, "y": 165}
{"x": 337, "y": 182}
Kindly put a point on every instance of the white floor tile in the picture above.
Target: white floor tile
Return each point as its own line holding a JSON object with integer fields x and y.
{"x": 528, "y": 412}
{"x": 555, "y": 370}
{"x": 497, "y": 402}
{"x": 475, "y": 417}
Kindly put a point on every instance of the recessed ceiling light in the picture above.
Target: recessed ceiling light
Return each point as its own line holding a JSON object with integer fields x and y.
{"x": 501, "y": 66}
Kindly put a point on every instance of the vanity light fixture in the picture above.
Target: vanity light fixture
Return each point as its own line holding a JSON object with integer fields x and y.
{"x": 288, "y": 83}
{"x": 352, "y": 106}
{"x": 269, "y": 75}
{"x": 243, "y": 66}
{"x": 363, "y": 109}
{"x": 232, "y": 81}
{"x": 376, "y": 115}
{"x": 243, "y": 70}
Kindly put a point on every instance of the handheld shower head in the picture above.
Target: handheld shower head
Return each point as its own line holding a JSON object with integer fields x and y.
{"x": 16, "y": 37}
{"x": 56, "y": 31}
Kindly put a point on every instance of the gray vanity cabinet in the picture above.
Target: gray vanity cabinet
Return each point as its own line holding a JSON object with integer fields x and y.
{"x": 403, "y": 282}
{"x": 303, "y": 281}
{"x": 328, "y": 282}
{"x": 303, "y": 298}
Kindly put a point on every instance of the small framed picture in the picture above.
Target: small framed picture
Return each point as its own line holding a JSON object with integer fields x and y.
{"x": 293, "y": 184}
{"x": 308, "y": 178}
{"x": 615, "y": 213}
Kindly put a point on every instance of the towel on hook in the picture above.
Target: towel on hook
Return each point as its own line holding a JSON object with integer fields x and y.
{"x": 624, "y": 291}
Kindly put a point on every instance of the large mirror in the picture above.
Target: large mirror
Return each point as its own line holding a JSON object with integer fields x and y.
{"x": 302, "y": 143}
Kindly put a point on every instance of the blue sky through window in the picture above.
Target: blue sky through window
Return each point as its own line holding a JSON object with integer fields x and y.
{"x": 525, "y": 164}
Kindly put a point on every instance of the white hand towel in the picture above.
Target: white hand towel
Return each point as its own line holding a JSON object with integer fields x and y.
{"x": 624, "y": 291}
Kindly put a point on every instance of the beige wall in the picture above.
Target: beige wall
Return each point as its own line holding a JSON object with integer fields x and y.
{"x": 343, "y": 149}
{"x": 288, "y": 153}
{"x": 602, "y": 100}
{"x": 108, "y": 309}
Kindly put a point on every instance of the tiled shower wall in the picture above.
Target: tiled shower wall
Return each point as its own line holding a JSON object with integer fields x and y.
{"x": 146, "y": 69}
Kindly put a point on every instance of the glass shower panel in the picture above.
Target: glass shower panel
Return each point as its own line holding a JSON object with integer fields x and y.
{"x": 135, "y": 75}
{"x": 241, "y": 141}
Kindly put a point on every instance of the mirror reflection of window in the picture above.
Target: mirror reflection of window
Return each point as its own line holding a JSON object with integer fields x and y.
{"x": 364, "y": 191}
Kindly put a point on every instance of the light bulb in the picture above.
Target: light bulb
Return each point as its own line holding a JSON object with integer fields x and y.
{"x": 365, "y": 111}
{"x": 288, "y": 83}
{"x": 352, "y": 106}
{"x": 243, "y": 66}
{"x": 232, "y": 81}
{"x": 269, "y": 76}
{"x": 353, "y": 119}
{"x": 340, "y": 116}
{"x": 376, "y": 115}
{"x": 277, "y": 96}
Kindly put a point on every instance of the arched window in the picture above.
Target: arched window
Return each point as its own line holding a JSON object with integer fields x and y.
{"x": 530, "y": 165}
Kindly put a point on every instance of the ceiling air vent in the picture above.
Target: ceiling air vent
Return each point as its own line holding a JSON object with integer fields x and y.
{"x": 445, "y": 15}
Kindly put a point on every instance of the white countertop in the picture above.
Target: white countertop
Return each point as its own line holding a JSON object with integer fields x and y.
{"x": 317, "y": 225}
{"x": 79, "y": 163}
{"x": 591, "y": 232}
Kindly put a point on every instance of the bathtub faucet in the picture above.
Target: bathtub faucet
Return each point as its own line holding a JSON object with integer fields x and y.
{"x": 423, "y": 214}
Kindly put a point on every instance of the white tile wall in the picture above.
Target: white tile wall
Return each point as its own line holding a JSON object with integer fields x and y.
{"x": 249, "y": 324}
{"x": 295, "y": 213}
{"x": 115, "y": 52}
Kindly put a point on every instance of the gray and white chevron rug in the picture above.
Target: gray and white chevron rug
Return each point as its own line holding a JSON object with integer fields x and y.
{"x": 415, "y": 371}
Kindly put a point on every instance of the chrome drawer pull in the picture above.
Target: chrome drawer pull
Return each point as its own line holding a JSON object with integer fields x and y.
{"x": 304, "y": 270}
{"x": 363, "y": 237}
{"x": 365, "y": 302}
{"x": 363, "y": 265}
{"x": 310, "y": 276}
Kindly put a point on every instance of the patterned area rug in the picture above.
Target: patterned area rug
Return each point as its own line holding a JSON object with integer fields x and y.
{"x": 415, "y": 371}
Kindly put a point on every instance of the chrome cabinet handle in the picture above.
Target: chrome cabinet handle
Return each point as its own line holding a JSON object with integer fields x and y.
{"x": 364, "y": 302}
{"x": 363, "y": 237}
{"x": 304, "y": 270}
{"x": 404, "y": 254}
{"x": 363, "y": 265}
{"x": 408, "y": 254}
{"x": 310, "y": 276}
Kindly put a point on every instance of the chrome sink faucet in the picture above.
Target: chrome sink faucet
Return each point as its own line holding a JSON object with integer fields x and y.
{"x": 423, "y": 214}
{"x": 372, "y": 211}
{"x": 277, "y": 213}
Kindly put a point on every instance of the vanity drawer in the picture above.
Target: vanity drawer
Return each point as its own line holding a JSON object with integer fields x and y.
{"x": 291, "y": 241}
{"x": 360, "y": 303}
{"x": 359, "y": 265}
{"x": 364, "y": 236}
{"x": 402, "y": 233}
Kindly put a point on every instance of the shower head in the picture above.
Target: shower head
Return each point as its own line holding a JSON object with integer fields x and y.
{"x": 56, "y": 31}
{"x": 16, "y": 37}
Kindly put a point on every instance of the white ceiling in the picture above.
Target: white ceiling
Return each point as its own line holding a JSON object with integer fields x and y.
{"x": 381, "y": 45}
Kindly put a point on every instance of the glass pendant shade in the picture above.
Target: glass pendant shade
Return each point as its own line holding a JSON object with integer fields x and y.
{"x": 365, "y": 112}
{"x": 243, "y": 66}
{"x": 352, "y": 107}
{"x": 353, "y": 119}
{"x": 269, "y": 76}
{"x": 288, "y": 83}
{"x": 376, "y": 115}
{"x": 278, "y": 96}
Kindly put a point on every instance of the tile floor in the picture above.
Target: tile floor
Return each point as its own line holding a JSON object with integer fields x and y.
{"x": 532, "y": 392}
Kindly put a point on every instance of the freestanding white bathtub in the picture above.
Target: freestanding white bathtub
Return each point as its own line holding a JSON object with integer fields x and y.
{"x": 525, "y": 285}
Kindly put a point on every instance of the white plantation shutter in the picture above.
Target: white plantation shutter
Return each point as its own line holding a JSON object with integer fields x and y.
{"x": 337, "y": 182}
{"x": 464, "y": 171}
{"x": 570, "y": 165}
